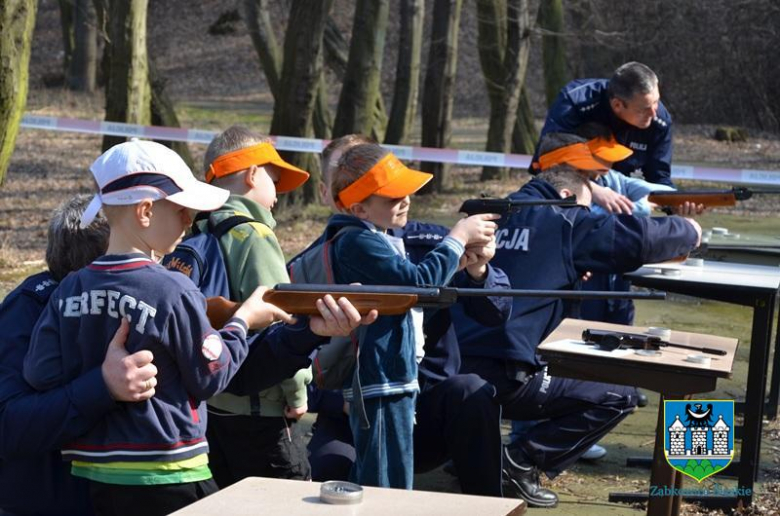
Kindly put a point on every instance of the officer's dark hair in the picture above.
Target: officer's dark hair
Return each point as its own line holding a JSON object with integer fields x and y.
{"x": 630, "y": 79}
{"x": 554, "y": 141}
{"x": 69, "y": 247}
{"x": 565, "y": 176}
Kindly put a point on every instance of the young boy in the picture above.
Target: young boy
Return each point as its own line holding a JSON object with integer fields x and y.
{"x": 148, "y": 457}
{"x": 254, "y": 435}
{"x": 456, "y": 416}
{"x": 371, "y": 189}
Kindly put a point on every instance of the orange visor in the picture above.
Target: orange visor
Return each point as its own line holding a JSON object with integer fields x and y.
{"x": 608, "y": 150}
{"x": 577, "y": 155}
{"x": 290, "y": 177}
{"x": 388, "y": 178}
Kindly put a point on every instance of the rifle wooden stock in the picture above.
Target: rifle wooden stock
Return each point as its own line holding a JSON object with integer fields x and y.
{"x": 304, "y": 303}
{"x": 219, "y": 310}
{"x": 708, "y": 199}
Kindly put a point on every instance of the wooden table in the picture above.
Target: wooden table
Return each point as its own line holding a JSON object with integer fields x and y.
{"x": 753, "y": 286}
{"x": 254, "y": 495}
{"x": 670, "y": 374}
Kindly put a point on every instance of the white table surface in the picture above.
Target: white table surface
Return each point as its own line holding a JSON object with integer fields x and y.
{"x": 715, "y": 273}
{"x": 270, "y": 496}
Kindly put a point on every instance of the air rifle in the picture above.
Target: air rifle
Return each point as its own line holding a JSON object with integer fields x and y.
{"x": 300, "y": 298}
{"x": 506, "y": 206}
{"x": 611, "y": 340}
{"x": 709, "y": 198}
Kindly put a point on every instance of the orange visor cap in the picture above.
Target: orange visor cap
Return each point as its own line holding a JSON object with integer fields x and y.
{"x": 388, "y": 178}
{"x": 290, "y": 177}
{"x": 578, "y": 155}
{"x": 608, "y": 150}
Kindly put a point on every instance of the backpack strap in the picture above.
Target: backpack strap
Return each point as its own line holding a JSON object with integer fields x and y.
{"x": 222, "y": 227}
{"x": 226, "y": 225}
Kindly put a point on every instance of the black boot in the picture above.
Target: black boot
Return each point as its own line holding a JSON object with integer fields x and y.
{"x": 521, "y": 480}
{"x": 641, "y": 399}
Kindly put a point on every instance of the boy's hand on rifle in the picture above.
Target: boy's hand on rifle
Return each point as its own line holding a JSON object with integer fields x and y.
{"x": 338, "y": 318}
{"x": 689, "y": 209}
{"x": 480, "y": 256}
{"x": 258, "y": 314}
{"x": 477, "y": 230}
{"x": 611, "y": 201}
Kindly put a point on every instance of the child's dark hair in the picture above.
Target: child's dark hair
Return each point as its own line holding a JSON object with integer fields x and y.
{"x": 565, "y": 176}
{"x": 591, "y": 130}
{"x": 353, "y": 164}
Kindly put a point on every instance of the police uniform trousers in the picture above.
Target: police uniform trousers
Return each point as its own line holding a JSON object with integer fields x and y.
{"x": 572, "y": 414}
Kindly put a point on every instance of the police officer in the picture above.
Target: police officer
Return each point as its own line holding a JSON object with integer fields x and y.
{"x": 550, "y": 247}
{"x": 629, "y": 104}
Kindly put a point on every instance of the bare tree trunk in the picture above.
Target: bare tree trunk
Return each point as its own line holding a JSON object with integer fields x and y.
{"x": 269, "y": 52}
{"x": 83, "y": 63}
{"x": 360, "y": 89}
{"x": 439, "y": 88}
{"x": 101, "y": 7}
{"x": 407, "y": 75}
{"x": 300, "y": 80}
{"x": 17, "y": 19}
{"x": 68, "y": 36}
{"x": 336, "y": 57}
{"x": 553, "y": 48}
{"x": 524, "y": 135}
{"x": 164, "y": 114}
{"x": 504, "y": 70}
{"x": 128, "y": 95}
{"x": 262, "y": 33}
{"x": 323, "y": 120}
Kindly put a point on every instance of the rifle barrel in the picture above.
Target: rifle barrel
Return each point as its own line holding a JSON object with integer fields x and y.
{"x": 560, "y": 294}
{"x": 434, "y": 293}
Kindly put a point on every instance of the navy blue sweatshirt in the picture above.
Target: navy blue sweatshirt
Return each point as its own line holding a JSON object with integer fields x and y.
{"x": 167, "y": 316}
{"x": 550, "y": 247}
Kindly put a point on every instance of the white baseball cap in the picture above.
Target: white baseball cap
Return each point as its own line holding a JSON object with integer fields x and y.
{"x": 136, "y": 170}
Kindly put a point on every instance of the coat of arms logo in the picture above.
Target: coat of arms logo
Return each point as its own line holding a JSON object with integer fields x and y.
{"x": 699, "y": 436}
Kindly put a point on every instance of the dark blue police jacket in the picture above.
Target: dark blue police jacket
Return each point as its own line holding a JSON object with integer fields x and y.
{"x": 587, "y": 100}
{"x": 33, "y": 477}
{"x": 550, "y": 247}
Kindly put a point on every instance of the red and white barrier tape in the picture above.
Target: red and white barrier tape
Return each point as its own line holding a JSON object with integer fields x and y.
{"x": 406, "y": 152}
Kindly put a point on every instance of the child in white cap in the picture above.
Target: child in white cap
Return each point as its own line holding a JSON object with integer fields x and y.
{"x": 148, "y": 457}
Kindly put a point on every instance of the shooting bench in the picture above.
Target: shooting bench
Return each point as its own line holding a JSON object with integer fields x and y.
{"x": 669, "y": 374}
{"x": 753, "y": 286}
